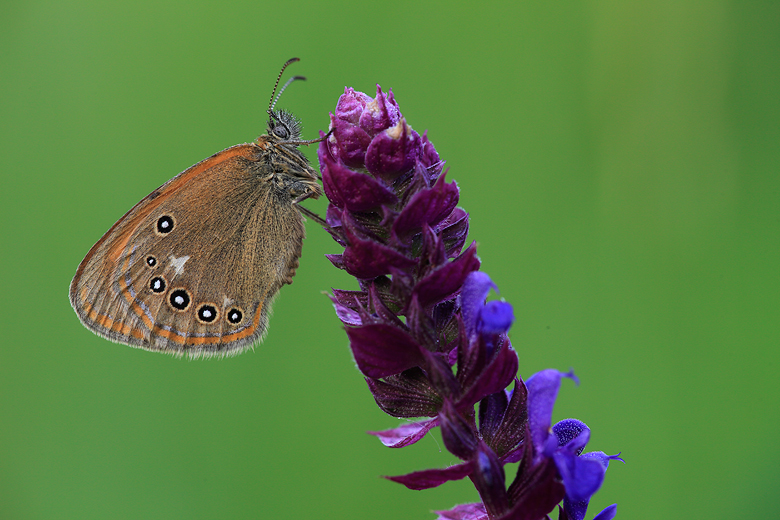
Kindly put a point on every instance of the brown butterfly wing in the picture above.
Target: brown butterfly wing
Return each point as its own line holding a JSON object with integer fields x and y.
{"x": 193, "y": 268}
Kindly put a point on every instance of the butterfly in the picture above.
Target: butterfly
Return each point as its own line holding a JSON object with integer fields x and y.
{"x": 194, "y": 267}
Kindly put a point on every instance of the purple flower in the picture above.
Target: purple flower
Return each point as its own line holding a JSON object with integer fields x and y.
{"x": 372, "y": 134}
{"x": 422, "y": 333}
{"x": 464, "y": 512}
{"x": 608, "y": 513}
{"x": 582, "y": 474}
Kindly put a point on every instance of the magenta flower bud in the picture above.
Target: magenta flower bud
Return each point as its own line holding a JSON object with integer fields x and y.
{"x": 350, "y": 106}
{"x": 372, "y": 134}
{"x": 353, "y": 141}
{"x": 379, "y": 113}
{"x": 393, "y": 151}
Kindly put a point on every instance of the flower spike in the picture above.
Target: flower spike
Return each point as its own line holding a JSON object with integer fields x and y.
{"x": 423, "y": 333}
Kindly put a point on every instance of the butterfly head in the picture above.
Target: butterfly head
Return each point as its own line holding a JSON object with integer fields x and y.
{"x": 283, "y": 126}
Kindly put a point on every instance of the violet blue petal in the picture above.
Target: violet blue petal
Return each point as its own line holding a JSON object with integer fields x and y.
{"x": 429, "y": 206}
{"x": 456, "y": 432}
{"x": 572, "y": 434}
{"x": 472, "y": 298}
{"x": 584, "y": 481}
{"x": 576, "y": 509}
{"x": 571, "y": 375}
{"x": 351, "y": 190}
{"x": 406, "y": 434}
{"x": 382, "y": 350}
{"x": 542, "y": 392}
{"x": 495, "y": 317}
{"x": 489, "y": 479}
{"x": 431, "y": 478}
{"x": 602, "y": 457}
{"x": 365, "y": 258}
{"x": 409, "y": 394}
{"x": 464, "y": 512}
{"x": 581, "y": 477}
{"x": 379, "y": 113}
{"x": 393, "y": 151}
{"x": 608, "y": 513}
{"x": 445, "y": 281}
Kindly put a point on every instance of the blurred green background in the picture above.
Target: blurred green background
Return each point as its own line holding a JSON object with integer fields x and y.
{"x": 620, "y": 161}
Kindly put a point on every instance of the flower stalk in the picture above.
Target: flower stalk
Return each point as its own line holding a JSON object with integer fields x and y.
{"x": 423, "y": 335}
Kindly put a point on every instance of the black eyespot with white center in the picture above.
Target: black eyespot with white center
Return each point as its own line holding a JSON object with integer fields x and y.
{"x": 235, "y": 316}
{"x": 207, "y": 313}
{"x": 157, "y": 284}
{"x": 151, "y": 261}
{"x": 179, "y": 299}
{"x": 165, "y": 224}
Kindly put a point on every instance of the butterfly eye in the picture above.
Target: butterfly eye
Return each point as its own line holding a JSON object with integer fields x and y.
{"x": 281, "y": 131}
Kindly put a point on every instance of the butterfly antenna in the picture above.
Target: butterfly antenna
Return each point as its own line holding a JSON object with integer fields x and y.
{"x": 273, "y": 101}
{"x": 284, "y": 87}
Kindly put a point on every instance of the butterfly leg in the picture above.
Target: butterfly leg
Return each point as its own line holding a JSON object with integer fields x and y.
{"x": 318, "y": 219}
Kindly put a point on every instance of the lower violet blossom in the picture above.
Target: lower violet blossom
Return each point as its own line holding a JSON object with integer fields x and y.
{"x": 423, "y": 335}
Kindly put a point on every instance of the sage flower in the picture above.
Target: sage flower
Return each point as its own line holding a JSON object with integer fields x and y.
{"x": 433, "y": 348}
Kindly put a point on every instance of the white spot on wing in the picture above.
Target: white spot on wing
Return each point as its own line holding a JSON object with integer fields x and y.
{"x": 178, "y": 264}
